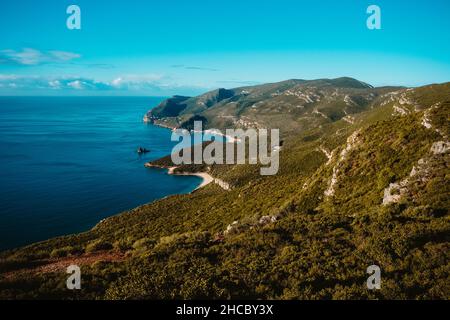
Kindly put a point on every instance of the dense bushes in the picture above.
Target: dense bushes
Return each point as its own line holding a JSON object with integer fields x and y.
{"x": 98, "y": 245}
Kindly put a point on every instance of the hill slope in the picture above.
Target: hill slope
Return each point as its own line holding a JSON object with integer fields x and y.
{"x": 349, "y": 194}
{"x": 291, "y": 105}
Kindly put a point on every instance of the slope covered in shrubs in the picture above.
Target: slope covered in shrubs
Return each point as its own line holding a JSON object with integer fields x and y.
{"x": 282, "y": 236}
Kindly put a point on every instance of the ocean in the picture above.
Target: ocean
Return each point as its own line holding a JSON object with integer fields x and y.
{"x": 68, "y": 162}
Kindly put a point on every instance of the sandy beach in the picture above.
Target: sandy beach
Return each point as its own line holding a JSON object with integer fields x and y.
{"x": 207, "y": 178}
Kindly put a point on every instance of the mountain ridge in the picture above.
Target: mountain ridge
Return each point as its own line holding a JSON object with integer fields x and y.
{"x": 288, "y": 100}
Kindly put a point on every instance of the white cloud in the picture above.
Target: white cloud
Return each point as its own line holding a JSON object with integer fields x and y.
{"x": 64, "y": 55}
{"x": 32, "y": 57}
{"x": 27, "y": 56}
{"x": 151, "y": 84}
{"x": 182, "y": 66}
{"x": 116, "y": 82}
{"x": 56, "y": 84}
{"x": 139, "y": 82}
{"x": 4, "y": 77}
{"x": 77, "y": 84}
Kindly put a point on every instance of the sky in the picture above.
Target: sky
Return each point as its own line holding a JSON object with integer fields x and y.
{"x": 167, "y": 47}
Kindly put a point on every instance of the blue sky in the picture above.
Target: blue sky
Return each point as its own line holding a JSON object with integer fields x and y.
{"x": 160, "y": 47}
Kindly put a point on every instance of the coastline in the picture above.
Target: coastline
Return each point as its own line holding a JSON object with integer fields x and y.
{"x": 229, "y": 139}
{"x": 73, "y": 170}
{"x": 206, "y": 177}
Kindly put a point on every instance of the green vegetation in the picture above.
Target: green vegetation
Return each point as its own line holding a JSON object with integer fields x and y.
{"x": 281, "y": 237}
{"x": 292, "y": 105}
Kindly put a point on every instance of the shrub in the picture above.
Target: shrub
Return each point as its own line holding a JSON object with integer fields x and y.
{"x": 98, "y": 245}
{"x": 62, "y": 252}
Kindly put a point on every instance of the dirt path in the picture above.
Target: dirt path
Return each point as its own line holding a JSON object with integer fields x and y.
{"x": 61, "y": 264}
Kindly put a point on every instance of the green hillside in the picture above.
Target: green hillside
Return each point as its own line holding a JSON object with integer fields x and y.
{"x": 363, "y": 180}
{"x": 292, "y": 105}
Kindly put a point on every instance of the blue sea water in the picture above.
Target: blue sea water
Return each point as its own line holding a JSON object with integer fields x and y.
{"x": 68, "y": 162}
